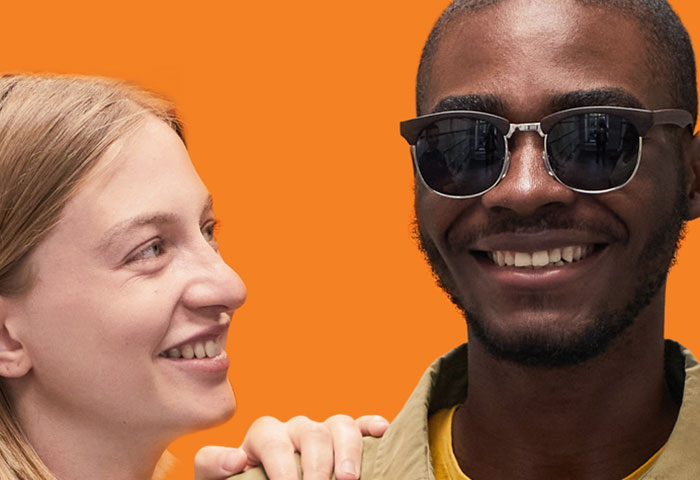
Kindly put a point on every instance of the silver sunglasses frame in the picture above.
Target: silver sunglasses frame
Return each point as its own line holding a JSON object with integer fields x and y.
{"x": 643, "y": 120}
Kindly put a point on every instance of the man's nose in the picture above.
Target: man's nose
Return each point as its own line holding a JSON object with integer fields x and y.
{"x": 527, "y": 185}
{"x": 212, "y": 287}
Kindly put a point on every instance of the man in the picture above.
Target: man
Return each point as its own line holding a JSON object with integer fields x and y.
{"x": 559, "y": 264}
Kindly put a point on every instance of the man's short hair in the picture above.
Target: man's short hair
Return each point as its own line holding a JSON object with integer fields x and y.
{"x": 671, "y": 54}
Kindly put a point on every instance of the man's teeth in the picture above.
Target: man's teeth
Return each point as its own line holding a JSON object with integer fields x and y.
{"x": 542, "y": 258}
{"x": 208, "y": 349}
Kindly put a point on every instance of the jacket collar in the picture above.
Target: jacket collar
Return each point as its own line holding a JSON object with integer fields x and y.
{"x": 404, "y": 451}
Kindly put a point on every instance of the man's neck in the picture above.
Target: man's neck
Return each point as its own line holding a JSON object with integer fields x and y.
{"x": 598, "y": 420}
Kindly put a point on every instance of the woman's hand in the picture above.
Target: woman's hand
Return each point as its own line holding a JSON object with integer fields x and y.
{"x": 334, "y": 446}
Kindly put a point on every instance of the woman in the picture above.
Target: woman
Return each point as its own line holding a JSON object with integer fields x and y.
{"x": 114, "y": 301}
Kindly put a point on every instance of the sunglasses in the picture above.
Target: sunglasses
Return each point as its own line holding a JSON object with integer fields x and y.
{"x": 463, "y": 154}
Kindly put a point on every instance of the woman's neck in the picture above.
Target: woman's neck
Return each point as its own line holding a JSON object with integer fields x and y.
{"x": 76, "y": 447}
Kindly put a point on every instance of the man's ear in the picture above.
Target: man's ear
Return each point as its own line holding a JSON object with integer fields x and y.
{"x": 693, "y": 178}
{"x": 14, "y": 360}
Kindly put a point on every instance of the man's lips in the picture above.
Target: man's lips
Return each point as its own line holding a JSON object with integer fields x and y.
{"x": 542, "y": 258}
{"x": 542, "y": 249}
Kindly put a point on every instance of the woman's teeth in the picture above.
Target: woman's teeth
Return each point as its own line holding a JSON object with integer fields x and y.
{"x": 542, "y": 259}
{"x": 208, "y": 349}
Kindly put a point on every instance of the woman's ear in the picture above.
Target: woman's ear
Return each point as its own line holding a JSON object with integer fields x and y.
{"x": 693, "y": 178}
{"x": 14, "y": 360}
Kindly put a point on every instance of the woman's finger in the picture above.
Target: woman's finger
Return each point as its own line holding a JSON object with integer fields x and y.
{"x": 372, "y": 425}
{"x": 217, "y": 463}
{"x": 268, "y": 443}
{"x": 314, "y": 441}
{"x": 347, "y": 443}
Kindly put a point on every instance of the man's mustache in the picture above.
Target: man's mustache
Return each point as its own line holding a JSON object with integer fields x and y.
{"x": 539, "y": 222}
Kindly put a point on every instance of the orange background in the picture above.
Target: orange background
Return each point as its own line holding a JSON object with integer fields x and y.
{"x": 291, "y": 111}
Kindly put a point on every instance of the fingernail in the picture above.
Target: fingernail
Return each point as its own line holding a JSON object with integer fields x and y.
{"x": 348, "y": 468}
{"x": 231, "y": 460}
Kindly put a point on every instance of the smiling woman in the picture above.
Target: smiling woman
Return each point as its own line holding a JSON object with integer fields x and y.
{"x": 114, "y": 301}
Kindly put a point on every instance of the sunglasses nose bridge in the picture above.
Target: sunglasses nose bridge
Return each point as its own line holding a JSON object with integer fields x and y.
{"x": 532, "y": 127}
{"x": 525, "y": 127}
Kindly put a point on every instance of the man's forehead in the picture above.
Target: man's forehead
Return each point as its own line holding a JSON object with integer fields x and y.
{"x": 534, "y": 54}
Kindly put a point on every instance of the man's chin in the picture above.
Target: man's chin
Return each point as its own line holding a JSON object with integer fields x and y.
{"x": 545, "y": 346}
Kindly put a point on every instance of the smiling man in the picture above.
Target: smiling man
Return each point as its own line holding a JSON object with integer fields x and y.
{"x": 555, "y": 241}
{"x": 555, "y": 167}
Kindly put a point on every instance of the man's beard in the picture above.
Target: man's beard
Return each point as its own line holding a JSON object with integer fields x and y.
{"x": 543, "y": 349}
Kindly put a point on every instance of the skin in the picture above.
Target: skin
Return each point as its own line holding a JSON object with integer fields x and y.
{"x": 604, "y": 417}
{"x": 103, "y": 307}
{"x": 332, "y": 446}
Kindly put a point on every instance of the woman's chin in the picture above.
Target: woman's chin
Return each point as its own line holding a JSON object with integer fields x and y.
{"x": 204, "y": 411}
{"x": 222, "y": 414}
{"x": 215, "y": 410}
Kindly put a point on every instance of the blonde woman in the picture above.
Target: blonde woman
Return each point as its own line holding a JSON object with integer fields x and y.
{"x": 114, "y": 301}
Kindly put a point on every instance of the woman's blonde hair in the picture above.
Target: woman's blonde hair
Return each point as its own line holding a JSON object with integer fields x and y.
{"x": 53, "y": 131}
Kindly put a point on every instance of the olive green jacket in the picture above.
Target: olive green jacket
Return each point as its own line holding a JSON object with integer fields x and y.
{"x": 404, "y": 454}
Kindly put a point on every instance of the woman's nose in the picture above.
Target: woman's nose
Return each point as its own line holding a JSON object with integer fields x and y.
{"x": 213, "y": 285}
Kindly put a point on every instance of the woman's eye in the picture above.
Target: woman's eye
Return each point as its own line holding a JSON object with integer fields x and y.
{"x": 209, "y": 232}
{"x": 152, "y": 250}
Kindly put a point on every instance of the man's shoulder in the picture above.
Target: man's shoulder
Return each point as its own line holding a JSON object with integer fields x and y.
{"x": 253, "y": 474}
{"x": 258, "y": 473}
{"x": 404, "y": 445}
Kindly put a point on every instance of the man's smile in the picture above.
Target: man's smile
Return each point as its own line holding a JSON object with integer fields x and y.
{"x": 540, "y": 249}
{"x": 535, "y": 258}
{"x": 540, "y": 259}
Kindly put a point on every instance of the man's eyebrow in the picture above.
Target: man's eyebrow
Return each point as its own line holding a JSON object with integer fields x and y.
{"x": 478, "y": 103}
{"x": 612, "y": 97}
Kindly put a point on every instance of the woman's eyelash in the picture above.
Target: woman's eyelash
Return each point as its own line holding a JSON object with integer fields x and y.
{"x": 155, "y": 248}
{"x": 210, "y": 229}
{"x": 152, "y": 250}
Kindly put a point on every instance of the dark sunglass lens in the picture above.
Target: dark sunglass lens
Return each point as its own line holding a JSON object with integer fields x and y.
{"x": 460, "y": 156}
{"x": 593, "y": 151}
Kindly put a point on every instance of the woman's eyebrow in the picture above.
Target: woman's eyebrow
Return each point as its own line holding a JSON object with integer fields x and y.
{"x": 124, "y": 228}
{"x": 208, "y": 206}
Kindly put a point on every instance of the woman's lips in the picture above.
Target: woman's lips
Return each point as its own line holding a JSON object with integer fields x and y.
{"x": 204, "y": 348}
{"x": 206, "y": 343}
{"x": 202, "y": 356}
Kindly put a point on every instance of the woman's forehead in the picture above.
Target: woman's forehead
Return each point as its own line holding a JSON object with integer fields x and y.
{"x": 145, "y": 173}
